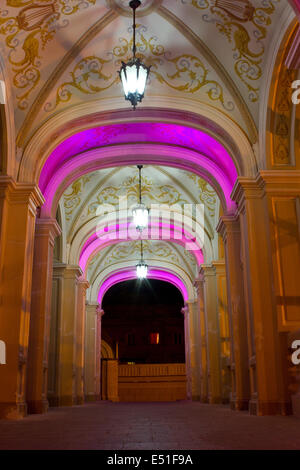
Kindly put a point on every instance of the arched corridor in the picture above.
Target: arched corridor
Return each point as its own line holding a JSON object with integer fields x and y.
{"x": 212, "y": 157}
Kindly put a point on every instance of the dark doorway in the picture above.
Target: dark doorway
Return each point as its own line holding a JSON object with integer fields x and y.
{"x": 143, "y": 322}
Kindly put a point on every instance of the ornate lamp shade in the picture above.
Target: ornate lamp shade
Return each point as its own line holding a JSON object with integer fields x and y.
{"x": 140, "y": 216}
{"x": 141, "y": 270}
{"x": 134, "y": 77}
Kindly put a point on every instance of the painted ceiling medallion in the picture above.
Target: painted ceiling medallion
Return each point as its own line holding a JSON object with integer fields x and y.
{"x": 241, "y": 10}
{"x": 123, "y": 8}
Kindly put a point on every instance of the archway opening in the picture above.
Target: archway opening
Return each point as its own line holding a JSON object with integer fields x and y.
{"x": 144, "y": 326}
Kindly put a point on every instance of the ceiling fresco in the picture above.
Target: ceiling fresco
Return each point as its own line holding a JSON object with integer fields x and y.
{"x": 61, "y": 53}
{"x": 160, "y": 185}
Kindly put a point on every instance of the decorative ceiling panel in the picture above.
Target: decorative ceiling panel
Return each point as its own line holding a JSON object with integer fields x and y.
{"x": 159, "y": 186}
{"x": 63, "y": 52}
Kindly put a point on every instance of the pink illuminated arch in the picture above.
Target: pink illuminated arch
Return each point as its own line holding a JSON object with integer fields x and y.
{"x": 152, "y": 274}
{"x": 95, "y": 243}
{"x": 123, "y": 144}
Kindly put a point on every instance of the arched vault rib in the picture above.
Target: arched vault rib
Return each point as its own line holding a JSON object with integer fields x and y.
{"x": 82, "y": 252}
{"x": 124, "y": 271}
{"x": 68, "y": 123}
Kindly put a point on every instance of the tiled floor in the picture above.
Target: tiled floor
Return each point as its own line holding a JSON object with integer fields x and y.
{"x": 182, "y": 425}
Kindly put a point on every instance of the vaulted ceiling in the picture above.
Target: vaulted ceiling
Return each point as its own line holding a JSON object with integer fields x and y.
{"x": 62, "y": 56}
{"x": 64, "y": 52}
{"x": 160, "y": 185}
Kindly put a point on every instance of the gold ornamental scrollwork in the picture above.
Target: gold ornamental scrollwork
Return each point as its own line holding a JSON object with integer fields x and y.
{"x": 39, "y": 20}
{"x": 245, "y": 27}
{"x": 189, "y": 74}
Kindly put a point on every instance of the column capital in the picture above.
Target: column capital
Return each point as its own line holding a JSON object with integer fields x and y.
{"x": 228, "y": 224}
{"x": 283, "y": 182}
{"x": 247, "y": 188}
{"x": 219, "y": 266}
{"x": 45, "y": 227}
{"x": 67, "y": 271}
{"x": 21, "y": 192}
{"x": 207, "y": 270}
{"x": 83, "y": 283}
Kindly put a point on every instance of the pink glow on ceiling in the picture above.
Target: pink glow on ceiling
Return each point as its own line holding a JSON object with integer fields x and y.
{"x": 199, "y": 150}
{"x": 95, "y": 242}
{"x": 152, "y": 274}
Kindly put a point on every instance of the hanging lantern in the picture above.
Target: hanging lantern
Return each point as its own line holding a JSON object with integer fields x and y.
{"x": 134, "y": 74}
{"x": 140, "y": 216}
{"x": 141, "y": 268}
{"x": 140, "y": 212}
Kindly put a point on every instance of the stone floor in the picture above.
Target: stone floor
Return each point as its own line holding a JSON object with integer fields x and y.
{"x": 164, "y": 426}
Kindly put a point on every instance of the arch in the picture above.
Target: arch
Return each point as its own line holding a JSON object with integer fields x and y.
{"x": 106, "y": 350}
{"x": 128, "y": 274}
{"x": 279, "y": 49}
{"x": 94, "y": 243}
{"x": 218, "y": 154}
{"x": 281, "y": 145}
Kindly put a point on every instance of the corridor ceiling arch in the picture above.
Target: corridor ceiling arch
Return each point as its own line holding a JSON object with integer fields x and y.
{"x": 102, "y": 285}
{"x": 164, "y": 138}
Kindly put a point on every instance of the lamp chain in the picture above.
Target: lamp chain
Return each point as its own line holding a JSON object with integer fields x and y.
{"x": 140, "y": 182}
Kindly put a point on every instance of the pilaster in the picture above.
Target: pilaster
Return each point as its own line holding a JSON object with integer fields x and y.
{"x": 203, "y": 368}
{"x": 267, "y": 358}
{"x": 63, "y": 347}
{"x": 212, "y": 333}
{"x": 225, "y": 336}
{"x": 82, "y": 287}
{"x": 36, "y": 394}
{"x": 92, "y": 369}
{"x": 18, "y": 207}
{"x": 229, "y": 228}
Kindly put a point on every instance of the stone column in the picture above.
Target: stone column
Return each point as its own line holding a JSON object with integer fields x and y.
{"x": 229, "y": 228}
{"x": 92, "y": 370}
{"x": 18, "y": 207}
{"x": 98, "y": 368}
{"x": 202, "y": 342}
{"x": 194, "y": 340}
{"x": 185, "y": 312}
{"x": 37, "y": 372}
{"x": 269, "y": 392}
{"x": 224, "y": 329}
{"x": 63, "y": 347}
{"x": 212, "y": 334}
{"x": 82, "y": 286}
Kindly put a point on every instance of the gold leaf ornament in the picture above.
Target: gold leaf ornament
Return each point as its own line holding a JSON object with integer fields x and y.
{"x": 36, "y": 19}
{"x": 189, "y": 76}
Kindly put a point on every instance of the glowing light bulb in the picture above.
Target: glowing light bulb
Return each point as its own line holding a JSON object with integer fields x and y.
{"x": 140, "y": 216}
{"x": 141, "y": 270}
